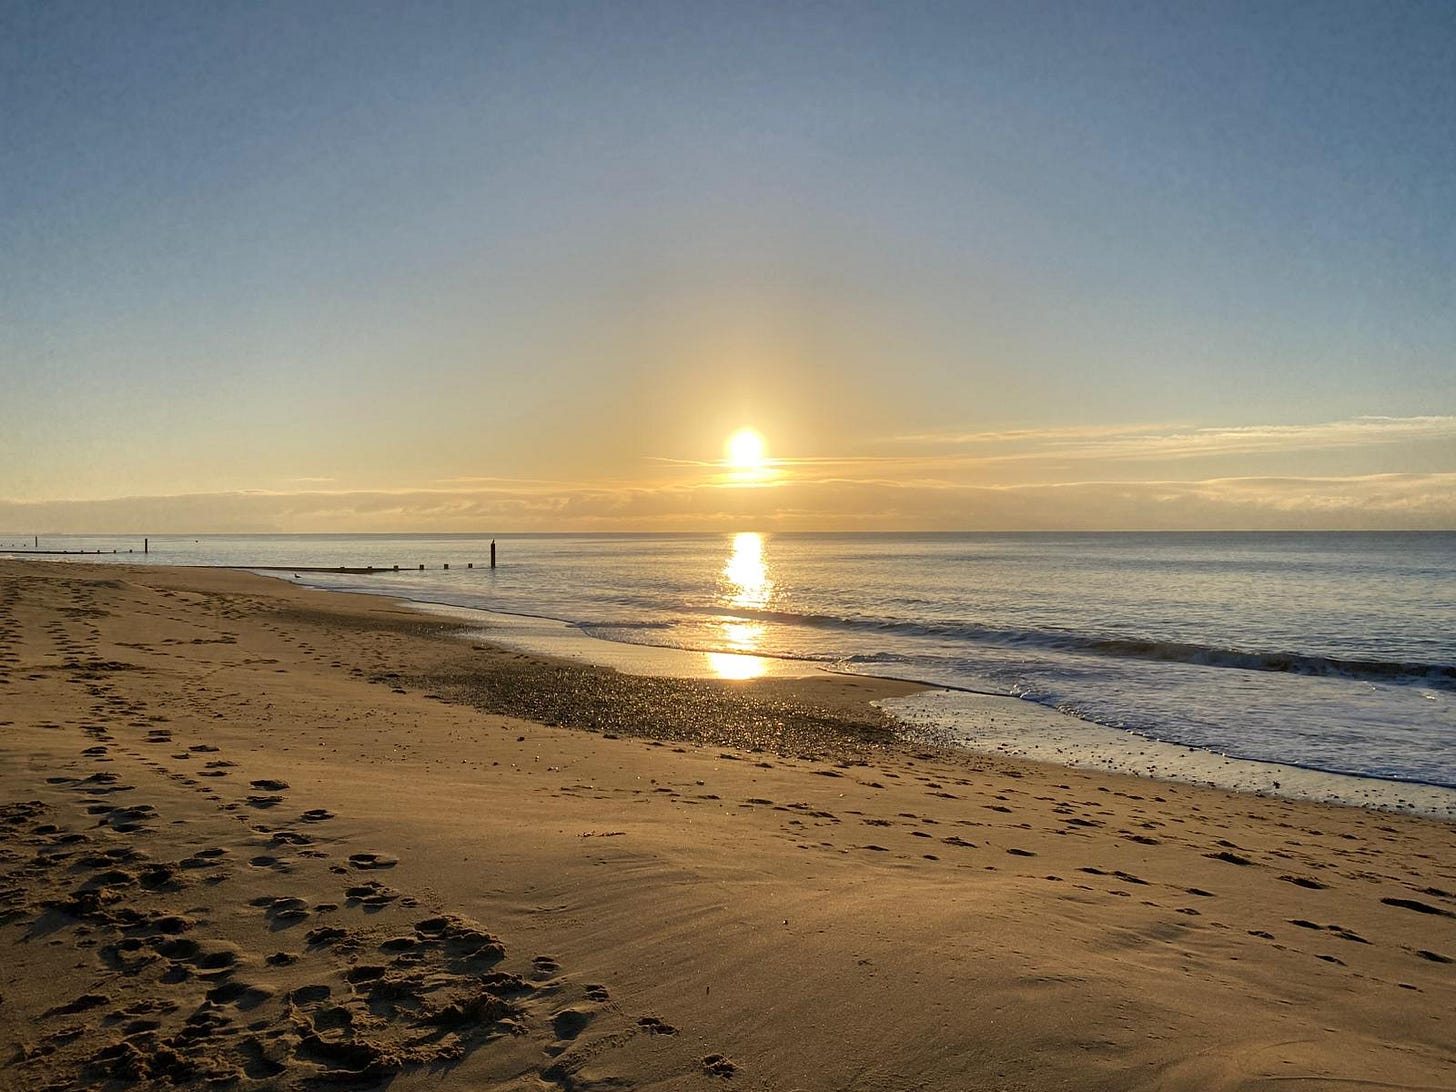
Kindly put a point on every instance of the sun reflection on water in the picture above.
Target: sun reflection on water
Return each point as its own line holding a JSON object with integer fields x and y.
{"x": 742, "y": 636}
{"x": 745, "y": 585}
{"x": 746, "y": 573}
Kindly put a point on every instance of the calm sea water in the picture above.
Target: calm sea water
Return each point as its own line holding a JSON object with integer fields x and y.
{"x": 1331, "y": 651}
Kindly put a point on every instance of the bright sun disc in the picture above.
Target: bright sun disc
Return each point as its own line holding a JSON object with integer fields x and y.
{"x": 745, "y": 450}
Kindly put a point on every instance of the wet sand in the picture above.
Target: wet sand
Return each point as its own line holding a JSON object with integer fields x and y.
{"x": 267, "y": 837}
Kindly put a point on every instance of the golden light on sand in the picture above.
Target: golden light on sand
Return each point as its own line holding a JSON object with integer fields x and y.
{"x": 733, "y": 665}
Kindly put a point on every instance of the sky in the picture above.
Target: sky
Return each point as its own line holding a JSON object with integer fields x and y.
{"x": 498, "y": 267}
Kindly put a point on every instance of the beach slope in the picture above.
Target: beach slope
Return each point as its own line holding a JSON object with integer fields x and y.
{"x": 267, "y": 837}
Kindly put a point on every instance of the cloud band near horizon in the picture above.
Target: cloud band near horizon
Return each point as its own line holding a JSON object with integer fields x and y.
{"x": 1365, "y": 502}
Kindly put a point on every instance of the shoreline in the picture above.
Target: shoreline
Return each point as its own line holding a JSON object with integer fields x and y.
{"x": 1398, "y": 768}
{"x": 988, "y": 723}
{"x": 264, "y": 836}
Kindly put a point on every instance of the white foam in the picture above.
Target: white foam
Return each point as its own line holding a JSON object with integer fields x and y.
{"x": 1021, "y": 729}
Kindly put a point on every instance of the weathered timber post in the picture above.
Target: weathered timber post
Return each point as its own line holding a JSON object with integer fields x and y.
{"x": 492, "y": 553}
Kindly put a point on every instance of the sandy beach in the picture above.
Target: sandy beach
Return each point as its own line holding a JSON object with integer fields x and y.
{"x": 261, "y": 836}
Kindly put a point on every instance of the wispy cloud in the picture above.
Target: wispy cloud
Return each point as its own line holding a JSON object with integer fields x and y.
{"x": 1141, "y": 443}
{"x": 496, "y": 482}
{"x": 1027, "y": 435}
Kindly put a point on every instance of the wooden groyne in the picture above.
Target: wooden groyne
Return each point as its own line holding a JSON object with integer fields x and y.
{"x": 34, "y": 548}
{"x": 69, "y": 553}
{"x": 356, "y": 571}
{"x": 352, "y": 570}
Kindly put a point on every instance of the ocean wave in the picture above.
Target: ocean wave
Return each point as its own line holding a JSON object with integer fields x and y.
{"x": 874, "y": 658}
{"x": 1436, "y": 676}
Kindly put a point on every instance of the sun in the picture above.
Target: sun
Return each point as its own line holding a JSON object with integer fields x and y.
{"x": 746, "y": 451}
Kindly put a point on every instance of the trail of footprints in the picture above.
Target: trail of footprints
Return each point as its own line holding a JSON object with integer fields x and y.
{"x": 345, "y": 993}
{"x": 1078, "y": 816}
{"x": 181, "y": 1002}
{"x": 375, "y": 984}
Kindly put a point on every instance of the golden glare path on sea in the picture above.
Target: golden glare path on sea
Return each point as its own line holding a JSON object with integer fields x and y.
{"x": 746, "y": 586}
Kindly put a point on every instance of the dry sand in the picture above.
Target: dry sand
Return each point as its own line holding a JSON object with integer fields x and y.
{"x": 263, "y": 836}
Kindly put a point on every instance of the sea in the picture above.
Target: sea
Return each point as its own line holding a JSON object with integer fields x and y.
{"x": 1332, "y": 652}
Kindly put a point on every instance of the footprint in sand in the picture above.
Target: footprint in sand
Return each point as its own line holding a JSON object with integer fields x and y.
{"x": 1231, "y": 858}
{"x": 567, "y": 1025}
{"x": 240, "y": 995}
{"x": 371, "y": 895}
{"x": 716, "y": 1065}
{"x": 1419, "y": 907}
{"x": 329, "y": 936}
{"x": 366, "y": 861}
{"x": 655, "y": 1025}
{"x": 84, "y": 1003}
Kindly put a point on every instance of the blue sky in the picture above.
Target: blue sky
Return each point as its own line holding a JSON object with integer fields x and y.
{"x": 551, "y": 252}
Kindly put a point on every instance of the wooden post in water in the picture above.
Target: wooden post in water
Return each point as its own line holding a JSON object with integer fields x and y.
{"x": 447, "y": 564}
{"x": 146, "y": 545}
{"x": 492, "y": 553}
